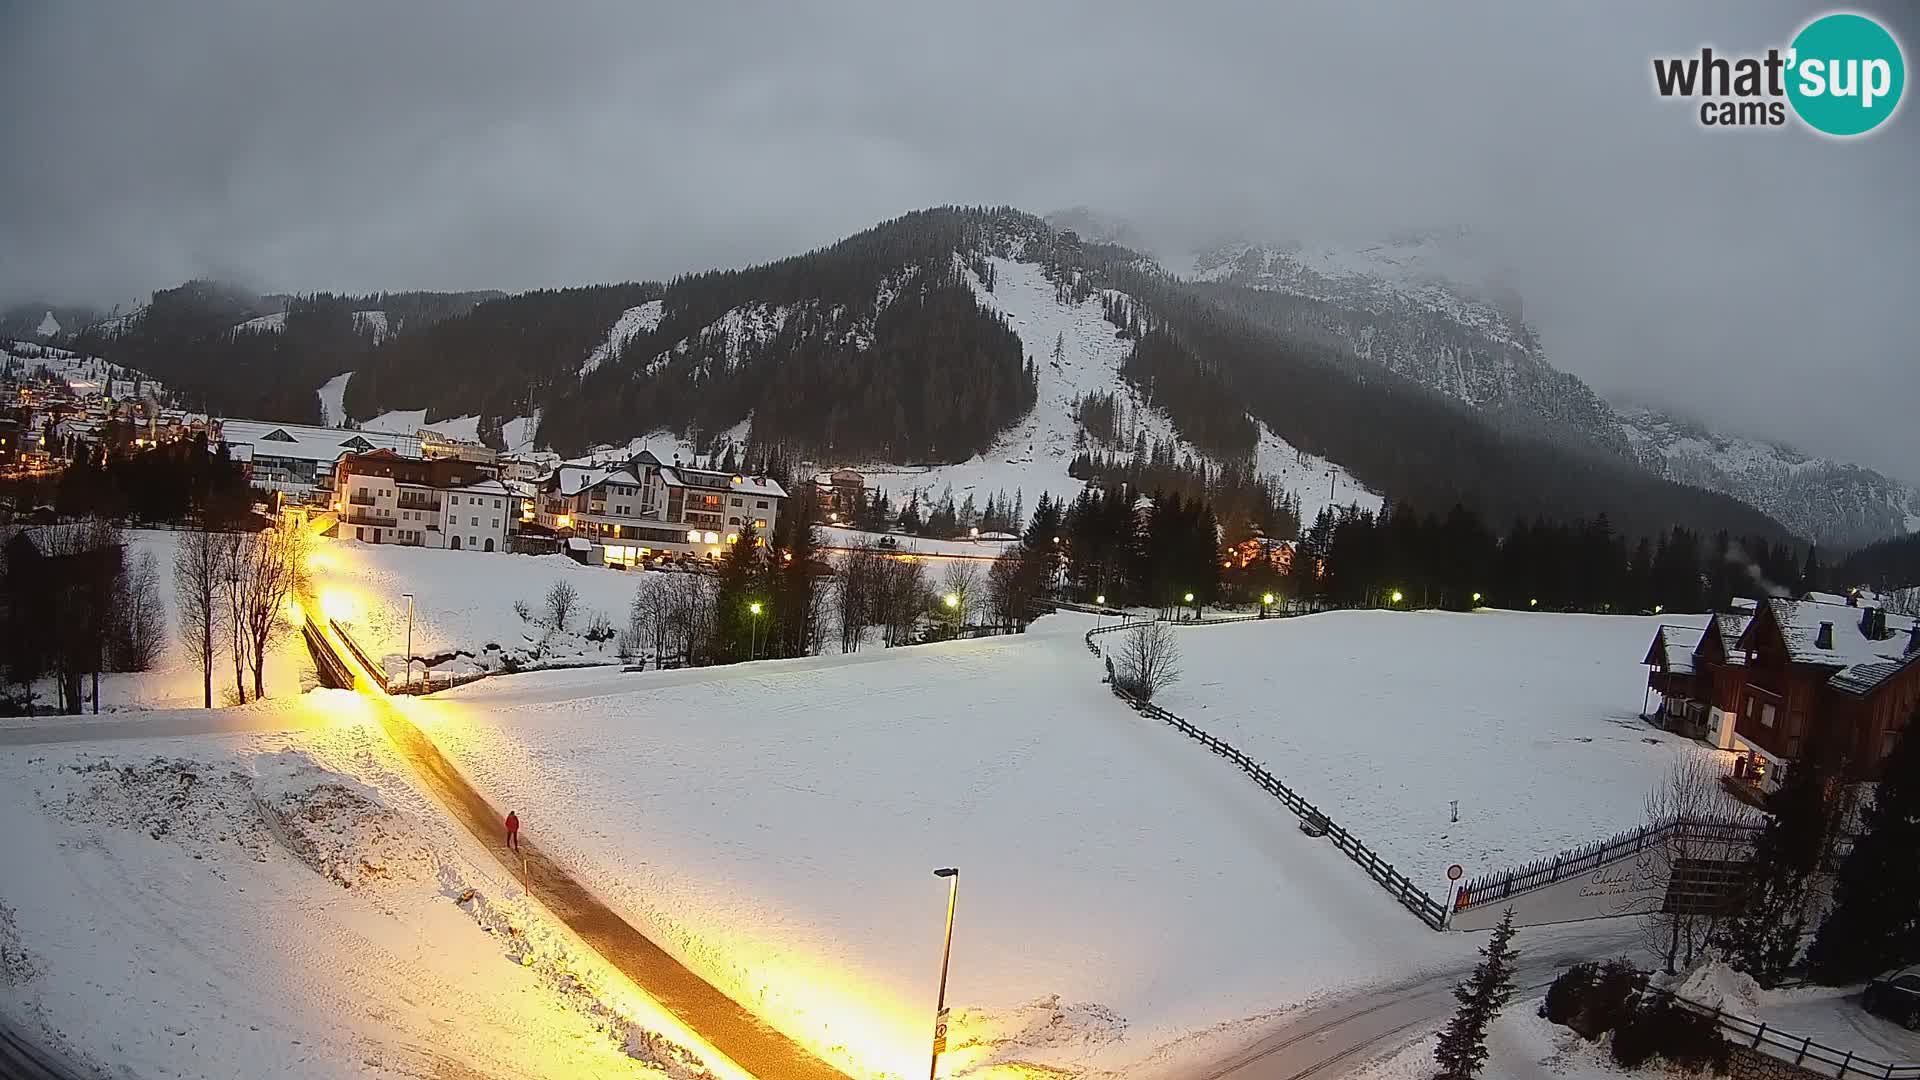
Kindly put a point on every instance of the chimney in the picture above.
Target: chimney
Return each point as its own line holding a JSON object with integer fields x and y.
{"x": 1824, "y": 640}
{"x": 1913, "y": 638}
{"x": 1873, "y": 623}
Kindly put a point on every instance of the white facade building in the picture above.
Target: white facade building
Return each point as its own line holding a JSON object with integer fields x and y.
{"x": 645, "y": 507}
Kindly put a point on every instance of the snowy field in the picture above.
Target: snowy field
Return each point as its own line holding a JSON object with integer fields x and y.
{"x": 463, "y": 602}
{"x": 775, "y": 826}
{"x": 288, "y": 904}
{"x": 1530, "y": 721}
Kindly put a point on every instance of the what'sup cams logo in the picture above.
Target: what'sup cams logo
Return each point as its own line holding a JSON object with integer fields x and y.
{"x": 1842, "y": 76}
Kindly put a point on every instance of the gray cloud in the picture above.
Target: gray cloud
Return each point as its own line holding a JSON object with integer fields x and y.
{"x": 1763, "y": 279}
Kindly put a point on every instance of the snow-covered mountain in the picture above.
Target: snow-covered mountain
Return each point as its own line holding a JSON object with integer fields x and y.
{"x": 1833, "y": 502}
{"x": 1436, "y": 308}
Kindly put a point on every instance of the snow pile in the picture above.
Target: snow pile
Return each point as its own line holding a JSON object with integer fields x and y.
{"x": 641, "y": 319}
{"x": 239, "y": 905}
{"x": 1384, "y": 719}
{"x": 774, "y": 825}
{"x": 1716, "y": 985}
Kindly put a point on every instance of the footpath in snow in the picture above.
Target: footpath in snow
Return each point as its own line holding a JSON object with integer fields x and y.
{"x": 776, "y": 825}
{"x": 1384, "y": 719}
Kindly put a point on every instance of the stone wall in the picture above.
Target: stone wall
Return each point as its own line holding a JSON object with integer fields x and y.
{"x": 1751, "y": 1064}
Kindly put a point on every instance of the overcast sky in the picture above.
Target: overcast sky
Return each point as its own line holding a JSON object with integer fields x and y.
{"x": 1766, "y": 279}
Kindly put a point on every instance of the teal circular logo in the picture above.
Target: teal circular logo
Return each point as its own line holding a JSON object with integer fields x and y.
{"x": 1845, "y": 74}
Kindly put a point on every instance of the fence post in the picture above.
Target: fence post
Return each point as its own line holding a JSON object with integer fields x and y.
{"x": 1758, "y": 1035}
{"x": 1802, "y": 1055}
{"x": 1846, "y": 1064}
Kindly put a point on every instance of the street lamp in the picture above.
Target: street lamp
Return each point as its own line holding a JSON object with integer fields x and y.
{"x": 753, "y": 631}
{"x": 952, "y": 874}
{"x": 1535, "y": 602}
{"x": 1266, "y": 601}
{"x": 1396, "y": 596}
{"x": 409, "y": 680}
{"x": 1658, "y": 608}
{"x": 1476, "y": 598}
{"x": 953, "y": 600}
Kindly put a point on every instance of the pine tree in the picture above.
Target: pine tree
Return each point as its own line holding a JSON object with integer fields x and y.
{"x": 1875, "y": 921}
{"x": 1463, "y": 1045}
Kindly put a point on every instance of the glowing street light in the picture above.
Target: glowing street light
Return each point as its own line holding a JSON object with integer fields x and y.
{"x": 1101, "y": 599}
{"x": 1188, "y": 598}
{"x": 1476, "y": 598}
{"x": 953, "y": 600}
{"x": 1534, "y": 602}
{"x": 1396, "y": 596}
{"x": 753, "y": 630}
{"x": 1266, "y": 601}
{"x": 1658, "y": 608}
{"x": 952, "y": 874}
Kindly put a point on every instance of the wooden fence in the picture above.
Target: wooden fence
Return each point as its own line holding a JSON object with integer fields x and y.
{"x": 1502, "y": 885}
{"x": 1424, "y": 907}
{"x": 1798, "y": 1050}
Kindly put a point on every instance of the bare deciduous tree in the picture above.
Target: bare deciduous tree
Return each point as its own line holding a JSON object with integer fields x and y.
{"x": 855, "y": 598}
{"x": 269, "y": 569}
{"x": 562, "y": 599}
{"x": 1149, "y": 660}
{"x": 199, "y": 565}
{"x": 1688, "y": 813}
{"x": 140, "y": 616}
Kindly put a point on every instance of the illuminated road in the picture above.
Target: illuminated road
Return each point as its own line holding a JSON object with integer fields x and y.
{"x": 727, "y": 1027}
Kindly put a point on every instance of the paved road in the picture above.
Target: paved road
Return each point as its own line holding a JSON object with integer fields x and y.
{"x": 1324, "y": 1042}
{"x": 729, "y": 1028}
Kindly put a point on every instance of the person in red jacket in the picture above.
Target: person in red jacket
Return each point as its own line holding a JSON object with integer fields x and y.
{"x": 513, "y": 831}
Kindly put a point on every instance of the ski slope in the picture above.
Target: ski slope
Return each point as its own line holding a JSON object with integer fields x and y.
{"x": 1033, "y": 456}
{"x": 1383, "y": 719}
{"x": 333, "y": 395}
{"x": 775, "y": 826}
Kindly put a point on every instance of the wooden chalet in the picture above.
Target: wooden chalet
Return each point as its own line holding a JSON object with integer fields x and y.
{"x": 1773, "y": 685}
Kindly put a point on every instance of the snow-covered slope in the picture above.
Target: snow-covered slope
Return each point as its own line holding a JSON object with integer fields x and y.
{"x": 640, "y": 319}
{"x": 1033, "y": 456}
{"x": 49, "y": 325}
{"x": 333, "y": 393}
{"x": 265, "y": 324}
{"x": 374, "y": 322}
{"x": 89, "y": 376}
{"x": 408, "y": 421}
{"x": 1832, "y": 502}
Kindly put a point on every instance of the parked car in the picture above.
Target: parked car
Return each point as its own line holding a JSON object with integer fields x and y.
{"x": 1896, "y": 996}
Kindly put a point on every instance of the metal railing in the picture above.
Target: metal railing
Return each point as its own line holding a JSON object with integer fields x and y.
{"x": 1411, "y": 896}
{"x": 1800, "y": 1050}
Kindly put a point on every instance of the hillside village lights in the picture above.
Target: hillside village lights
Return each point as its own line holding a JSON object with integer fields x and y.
{"x": 952, "y": 874}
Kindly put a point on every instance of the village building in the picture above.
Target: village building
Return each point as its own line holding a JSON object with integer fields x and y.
{"x": 382, "y": 497}
{"x": 642, "y": 507}
{"x": 1826, "y": 674}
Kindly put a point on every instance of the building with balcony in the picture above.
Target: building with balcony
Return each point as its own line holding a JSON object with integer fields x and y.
{"x": 644, "y": 506}
{"x": 381, "y": 497}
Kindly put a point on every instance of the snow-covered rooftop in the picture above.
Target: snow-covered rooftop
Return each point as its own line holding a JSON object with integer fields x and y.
{"x": 1676, "y": 645}
{"x": 1864, "y": 662}
{"x": 304, "y": 442}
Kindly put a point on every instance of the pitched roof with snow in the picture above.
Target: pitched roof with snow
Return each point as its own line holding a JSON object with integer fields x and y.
{"x": 1863, "y": 662}
{"x": 305, "y": 442}
{"x": 1728, "y": 630}
{"x": 1677, "y": 644}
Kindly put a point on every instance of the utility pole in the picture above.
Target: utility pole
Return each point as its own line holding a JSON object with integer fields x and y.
{"x": 952, "y": 874}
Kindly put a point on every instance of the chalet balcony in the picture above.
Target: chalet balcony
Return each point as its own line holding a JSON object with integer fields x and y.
{"x": 361, "y": 500}
{"x": 417, "y": 503}
{"x": 370, "y": 517}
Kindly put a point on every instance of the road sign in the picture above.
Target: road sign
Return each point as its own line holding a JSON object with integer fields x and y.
{"x": 1454, "y": 872}
{"x": 940, "y": 1034}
